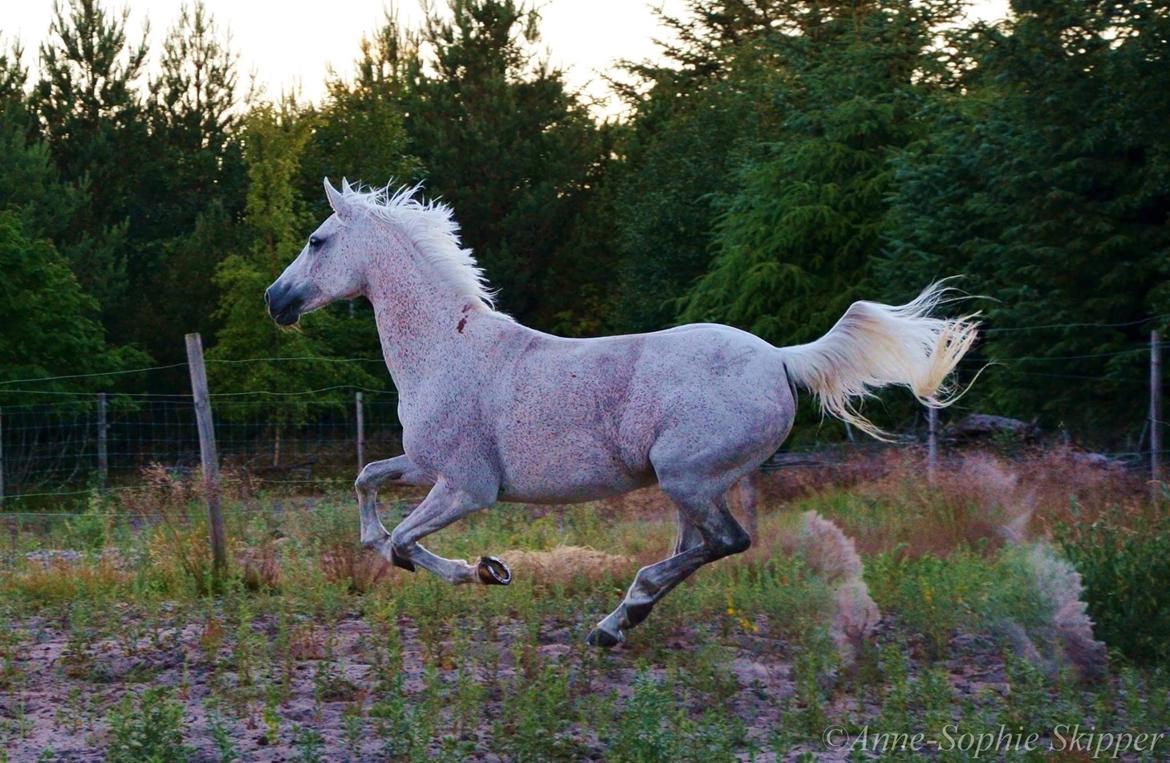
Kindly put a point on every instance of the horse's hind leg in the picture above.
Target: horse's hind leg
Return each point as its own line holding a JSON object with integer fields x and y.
{"x": 748, "y": 502}
{"x": 397, "y": 471}
{"x": 720, "y": 536}
{"x": 688, "y": 535}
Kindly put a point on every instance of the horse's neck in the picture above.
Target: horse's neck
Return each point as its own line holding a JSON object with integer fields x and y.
{"x": 422, "y": 324}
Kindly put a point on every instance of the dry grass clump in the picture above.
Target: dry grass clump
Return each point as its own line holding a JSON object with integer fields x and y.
{"x": 164, "y": 491}
{"x": 164, "y": 498}
{"x": 563, "y": 564}
{"x": 67, "y": 579}
{"x": 647, "y": 503}
{"x": 353, "y": 565}
{"x": 259, "y": 567}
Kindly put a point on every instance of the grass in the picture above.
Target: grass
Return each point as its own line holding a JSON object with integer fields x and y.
{"x": 318, "y": 651}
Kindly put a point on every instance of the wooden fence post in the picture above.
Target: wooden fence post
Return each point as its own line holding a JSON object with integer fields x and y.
{"x": 361, "y": 430}
{"x": 102, "y": 450}
{"x": 1155, "y": 416}
{"x": 931, "y": 442}
{"x": 207, "y": 455}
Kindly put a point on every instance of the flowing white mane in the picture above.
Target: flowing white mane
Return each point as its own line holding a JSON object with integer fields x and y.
{"x": 431, "y": 226}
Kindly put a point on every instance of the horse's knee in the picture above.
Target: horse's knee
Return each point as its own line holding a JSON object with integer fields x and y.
{"x": 372, "y": 475}
{"x": 365, "y": 481}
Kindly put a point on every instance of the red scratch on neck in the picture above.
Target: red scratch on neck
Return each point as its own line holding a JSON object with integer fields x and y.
{"x": 462, "y": 323}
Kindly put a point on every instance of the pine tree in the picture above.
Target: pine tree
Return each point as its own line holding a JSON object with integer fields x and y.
{"x": 795, "y": 242}
{"x": 29, "y": 183}
{"x": 502, "y": 140}
{"x": 693, "y": 118}
{"x": 1045, "y": 184}
{"x": 50, "y": 323}
{"x": 91, "y": 118}
{"x": 359, "y": 134}
{"x": 191, "y": 190}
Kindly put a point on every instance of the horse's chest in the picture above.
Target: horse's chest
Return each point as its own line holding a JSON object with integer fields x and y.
{"x": 434, "y": 434}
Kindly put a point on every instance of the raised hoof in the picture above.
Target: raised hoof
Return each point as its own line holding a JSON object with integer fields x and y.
{"x": 493, "y": 572}
{"x": 603, "y": 639}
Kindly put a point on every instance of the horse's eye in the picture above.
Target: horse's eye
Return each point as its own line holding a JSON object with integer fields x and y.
{"x": 315, "y": 242}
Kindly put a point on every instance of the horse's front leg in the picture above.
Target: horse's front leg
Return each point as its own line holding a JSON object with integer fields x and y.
{"x": 442, "y": 506}
{"x": 396, "y": 471}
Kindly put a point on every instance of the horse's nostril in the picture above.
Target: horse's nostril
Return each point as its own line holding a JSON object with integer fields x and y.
{"x": 267, "y": 297}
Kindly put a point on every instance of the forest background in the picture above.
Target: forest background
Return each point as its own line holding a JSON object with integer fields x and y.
{"x": 782, "y": 160}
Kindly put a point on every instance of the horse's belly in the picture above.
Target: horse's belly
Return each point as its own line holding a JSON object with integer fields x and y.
{"x": 570, "y": 487}
{"x": 569, "y": 470}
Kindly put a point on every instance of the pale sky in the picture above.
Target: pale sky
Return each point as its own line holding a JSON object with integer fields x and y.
{"x": 291, "y": 43}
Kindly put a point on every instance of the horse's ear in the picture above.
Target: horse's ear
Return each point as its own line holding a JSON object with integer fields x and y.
{"x": 336, "y": 199}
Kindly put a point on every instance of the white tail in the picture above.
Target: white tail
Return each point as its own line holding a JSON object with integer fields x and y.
{"x": 875, "y": 345}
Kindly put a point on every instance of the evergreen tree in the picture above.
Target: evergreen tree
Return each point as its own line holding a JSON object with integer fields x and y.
{"x": 191, "y": 189}
{"x": 692, "y": 119}
{"x": 503, "y": 141}
{"x": 29, "y": 183}
{"x": 1046, "y": 184}
{"x": 277, "y": 225}
{"x": 91, "y": 118}
{"x": 50, "y": 326}
{"x": 795, "y": 242}
{"x": 359, "y": 134}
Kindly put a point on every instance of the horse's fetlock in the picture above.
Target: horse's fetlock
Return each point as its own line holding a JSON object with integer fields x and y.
{"x": 399, "y": 545}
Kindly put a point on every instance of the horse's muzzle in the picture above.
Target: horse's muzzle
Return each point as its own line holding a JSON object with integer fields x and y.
{"x": 284, "y": 304}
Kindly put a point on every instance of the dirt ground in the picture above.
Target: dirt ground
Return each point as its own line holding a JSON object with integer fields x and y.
{"x": 61, "y": 710}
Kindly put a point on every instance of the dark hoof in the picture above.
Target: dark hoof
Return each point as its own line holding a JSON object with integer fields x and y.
{"x": 493, "y": 572}
{"x": 603, "y": 639}
{"x": 398, "y": 561}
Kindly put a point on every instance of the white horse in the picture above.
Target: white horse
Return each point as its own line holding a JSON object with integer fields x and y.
{"x": 492, "y": 410}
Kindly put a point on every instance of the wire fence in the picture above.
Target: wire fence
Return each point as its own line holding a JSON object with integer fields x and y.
{"x": 57, "y": 450}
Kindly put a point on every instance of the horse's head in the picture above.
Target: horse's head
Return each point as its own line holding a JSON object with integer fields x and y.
{"x": 330, "y": 267}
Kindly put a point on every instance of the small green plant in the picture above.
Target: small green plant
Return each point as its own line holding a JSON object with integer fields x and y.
{"x": 404, "y": 724}
{"x": 309, "y": 744}
{"x": 221, "y": 736}
{"x": 271, "y": 712}
{"x": 89, "y": 530}
{"x": 149, "y": 729}
{"x": 537, "y": 718}
{"x": 645, "y": 730}
{"x": 354, "y": 726}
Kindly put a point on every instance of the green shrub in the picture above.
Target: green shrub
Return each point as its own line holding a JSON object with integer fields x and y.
{"x": 147, "y": 731}
{"x": 1125, "y": 572}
